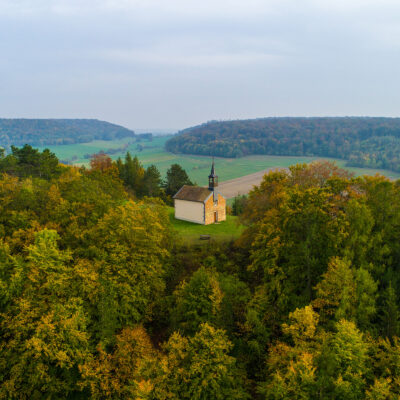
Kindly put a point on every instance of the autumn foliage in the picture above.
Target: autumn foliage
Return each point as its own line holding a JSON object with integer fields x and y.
{"x": 100, "y": 299}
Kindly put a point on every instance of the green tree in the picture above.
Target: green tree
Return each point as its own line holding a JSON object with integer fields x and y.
{"x": 344, "y": 363}
{"x": 152, "y": 182}
{"x": 131, "y": 242}
{"x": 131, "y": 173}
{"x": 386, "y": 365}
{"x": 44, "y": 334}
{"x": 232, "y": 309}
{"x": 360, "y": 239}
{"x": 239, "y": 204}
{"x": 313, "y": 231}
{"x": 366, "y": 294}
{"x": 197, "y": 301}
{"x": 27, "y": 161}
{"x": 336, "y": 292}
{"x": 390, "y": 310}
{"x": 346, "y": 294}
{"x": 199, "y": 368}
{"x": 295, "y": 241}
{"x": 176, "y": 178}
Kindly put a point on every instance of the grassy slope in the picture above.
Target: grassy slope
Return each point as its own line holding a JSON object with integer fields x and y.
{"x": 196, "y": 166}
{"x": 66, "y": 152}
{"x": 226, "y": 230}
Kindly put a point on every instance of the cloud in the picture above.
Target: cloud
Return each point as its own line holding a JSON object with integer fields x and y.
{"x": 151, "y": 7}
{"x": 186, "y": 60}
{"x": 218, "y": 60}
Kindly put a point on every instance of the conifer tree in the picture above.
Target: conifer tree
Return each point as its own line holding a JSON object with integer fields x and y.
{"x": 176, "y": 178}
{"x": 152, "y": 182}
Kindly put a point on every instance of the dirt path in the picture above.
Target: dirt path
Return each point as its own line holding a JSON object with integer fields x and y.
{"x": 242, "y": 185}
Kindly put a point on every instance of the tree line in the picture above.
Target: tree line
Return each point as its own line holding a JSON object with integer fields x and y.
{"x": 101, "y": 299}
{"x": 362, "y": 141}
{"x": 45, "y": 132}
{"x": 139, "y": 181}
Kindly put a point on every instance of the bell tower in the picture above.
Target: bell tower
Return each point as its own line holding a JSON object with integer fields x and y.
{"x": 212, "y": 178}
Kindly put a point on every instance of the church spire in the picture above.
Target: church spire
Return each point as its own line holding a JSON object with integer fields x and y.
{"x": 212, "y": 168}
{"x": 212, "y": 178}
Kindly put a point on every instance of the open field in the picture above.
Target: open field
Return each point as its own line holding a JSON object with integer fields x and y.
{"x": 197, "y": 167}
{"x": 242, "y": 185}
{"x": 223, "y": 231}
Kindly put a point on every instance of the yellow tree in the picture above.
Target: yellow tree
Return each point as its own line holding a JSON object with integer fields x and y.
{"x": 199, "y": 368}
{"x": 292, "y": 368}
{"x": 124, "y": 372}
{"x": 44, "y": 336}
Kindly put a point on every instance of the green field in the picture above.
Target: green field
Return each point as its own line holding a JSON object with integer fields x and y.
{"x": 190, "y": 232}
{"x": 76, "y": 152}
{"x": 196, "y": 166}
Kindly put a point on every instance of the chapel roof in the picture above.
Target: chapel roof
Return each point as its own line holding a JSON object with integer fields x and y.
{"x": 193, "y": 193}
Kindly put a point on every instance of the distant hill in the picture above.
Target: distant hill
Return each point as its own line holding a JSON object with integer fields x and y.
{"x": 42, "y": 132}
{"x": 362, "y": 141}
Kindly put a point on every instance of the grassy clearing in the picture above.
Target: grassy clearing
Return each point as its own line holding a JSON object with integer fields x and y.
{"x": 223, "y": 231}
{"x": 76, "y": 152}
{"x": 196, "y": 166}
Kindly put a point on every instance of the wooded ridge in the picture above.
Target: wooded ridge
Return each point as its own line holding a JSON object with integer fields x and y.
{"x": 42, "y": 132}
{"x": 372, "y": 142}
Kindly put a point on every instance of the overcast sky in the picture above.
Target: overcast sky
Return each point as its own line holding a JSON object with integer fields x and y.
{"x": 169, "y": 64}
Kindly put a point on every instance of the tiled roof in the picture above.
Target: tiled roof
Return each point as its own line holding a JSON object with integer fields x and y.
{"x": 193, "y": 193}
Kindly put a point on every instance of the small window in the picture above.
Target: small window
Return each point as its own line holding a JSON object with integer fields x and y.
{"x": 215, "y": 202}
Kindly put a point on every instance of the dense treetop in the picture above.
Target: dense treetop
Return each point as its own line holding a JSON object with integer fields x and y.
{"x": 42, "y": 132}
{"x": 100, "y": 299}
{"x": 363, "y": 141}
{"x": 27, "y": 161}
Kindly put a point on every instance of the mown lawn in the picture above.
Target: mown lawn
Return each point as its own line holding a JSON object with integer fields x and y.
{"x": 188, "y": 231}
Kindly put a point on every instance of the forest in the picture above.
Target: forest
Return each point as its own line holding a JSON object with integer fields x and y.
{"x": 45, "y": 132}
{"x": 362, "y": 141}
{"x": 101, "y": 299}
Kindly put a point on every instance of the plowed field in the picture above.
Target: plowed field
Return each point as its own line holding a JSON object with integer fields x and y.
{"x": 242, "y": 185}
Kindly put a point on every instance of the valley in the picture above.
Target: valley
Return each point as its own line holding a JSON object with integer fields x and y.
{"x": 248, "y": 169}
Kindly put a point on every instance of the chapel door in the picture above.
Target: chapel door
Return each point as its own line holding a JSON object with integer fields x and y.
{"x": 215, "y": 216}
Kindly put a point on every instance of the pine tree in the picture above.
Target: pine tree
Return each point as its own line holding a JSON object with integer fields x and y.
{"x": 176, "y": 178}
{"x": 152, "y": 182}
